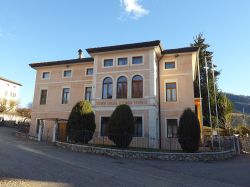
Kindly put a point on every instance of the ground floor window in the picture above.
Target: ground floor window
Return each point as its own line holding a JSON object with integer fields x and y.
{"x": 104, "y": 124}
{"x": 88, "y": 91}
{"x": 138, "y": 126}
{"x": 172, "y": 126}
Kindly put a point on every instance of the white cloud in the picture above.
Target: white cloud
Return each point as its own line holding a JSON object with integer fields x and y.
{"x": 133, "y": 8}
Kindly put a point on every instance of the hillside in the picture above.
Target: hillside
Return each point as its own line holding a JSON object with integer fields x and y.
{"x": 240, "y": 102}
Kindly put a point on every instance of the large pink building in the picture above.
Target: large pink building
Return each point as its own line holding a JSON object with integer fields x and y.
{"x": 156, "y": 83}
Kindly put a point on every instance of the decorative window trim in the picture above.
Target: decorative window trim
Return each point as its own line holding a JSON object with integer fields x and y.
{"x": 166, "y": 125}
{"x": 47, "y": 96}
{"x": 122, "y": 57}
{"x": 113, "y": 87}
{"x": 100, "y": 124}
{"x": 84, "y": 91}
{"x": 45, "y": 72}
{"x": 165, "y": 61}
{"x": 128, "y": 86}
{"x": 67, "y": 70}
{"x": 62, "y": 95}
{"x": 177, "y": 90}
{"x": 135, "y": 55}
{"x": 143, "y": 84}
{"x": 108, "y": 58}
{"x": 140, "y": 115}
{"x": 86, "y": 71}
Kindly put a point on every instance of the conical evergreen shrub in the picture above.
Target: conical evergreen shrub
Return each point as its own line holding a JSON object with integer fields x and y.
{"x": 189, "y": 131}
{"x": 121, "y": 126}
{"x": 81, "y": 123}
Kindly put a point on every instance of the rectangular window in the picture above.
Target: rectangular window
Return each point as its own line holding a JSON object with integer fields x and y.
{"x": 169, "y": 65}
{"x": 67, "y": 73}
{"x": 46, "y": 75}
{"x": 88, "y": 91}
{"x": 108, "y": 62}
{"x": 65, "y": 96}
{"x": 122, "y": 61}
{"x": 43, "y": 97}
{"x": 172, "y": 126}
{"x": 138, "y": 127}
{"x": 89, "y": 71}
{"x": 137, "y": 60}
{"x": 104, "y": 124}
{"x": 171, "y": 93}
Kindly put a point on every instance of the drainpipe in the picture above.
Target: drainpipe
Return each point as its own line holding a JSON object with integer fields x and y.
{"x": 159, "y": 100}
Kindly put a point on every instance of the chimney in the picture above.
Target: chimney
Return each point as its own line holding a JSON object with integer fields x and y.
{"x": 80, "y": 54}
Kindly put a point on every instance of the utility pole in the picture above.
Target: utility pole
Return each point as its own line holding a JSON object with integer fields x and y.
{"x": 209, "y": 107}
{"x": 216, "y": 107}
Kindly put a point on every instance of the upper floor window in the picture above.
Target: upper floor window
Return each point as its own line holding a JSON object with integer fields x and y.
{"x": 137, "y": 60}
{"x": 171, "y": 93}
{"x": 170, "y": 65}
{"x": 65, "y": 95}
{"x": 172, "y": 126}
{"x": 138, "y": 126}
{"x": 121, "y": 87}
{"x": 108, "y": 62}
{"x": 67, "y": 73}
{"x": 45, "y": 75}
{"x": 122, "y": 61}
{"x": 107, "y": 88}
{"x": 89, "y": 71}
{"x": 137, "y": 86}
{"x": 88, "y": 91}
{"x": 43, "y": 97}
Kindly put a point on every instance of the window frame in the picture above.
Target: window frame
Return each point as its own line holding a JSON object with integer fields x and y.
{"x": 166, "y": 127}
{"x": 71, "y": 75}
{"x": 102, "y": 90}
{"x": 137, "y": 55}
{"x": 117, "y": 61}
{"x": 85, "y": 92}
{"x": 86, "y": 71}
{"x": 47, "y": 93}
{"x": 100, "y": 127}
{"x": 111, "y": 58}
{"x": 165, "y": 90}
{"x": 168, "y": 61}
{"x": 132, "y": 86}
{"x": 45, "y": 72}
{"x": 142, "y": 116}
{"x": 62, "y": 93}
{"x": 122, "y": 83}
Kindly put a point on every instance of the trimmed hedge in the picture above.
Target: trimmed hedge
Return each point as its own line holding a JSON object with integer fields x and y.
{"x": 121, "y": 126}
{"x": 189, "y": 131}
{"x": 81, "y": 123}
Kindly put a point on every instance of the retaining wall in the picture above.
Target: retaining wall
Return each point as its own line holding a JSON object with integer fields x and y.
{"x": 129, "y": 154}
{"x": 245, "y": 144}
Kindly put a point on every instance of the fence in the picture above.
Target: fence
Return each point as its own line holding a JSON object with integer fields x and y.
{"x": 145, "y": 142}
{"x": 20, "y": 126}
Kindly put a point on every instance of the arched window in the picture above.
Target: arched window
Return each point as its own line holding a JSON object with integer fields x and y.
{"x": 121, "y": 87}
{"x": 137, "y": 86}
{"x": 107, "y": 88}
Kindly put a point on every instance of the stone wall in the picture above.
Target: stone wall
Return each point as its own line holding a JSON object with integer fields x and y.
{"x": 129, "y": 154}
{"x": 245, "y": 144}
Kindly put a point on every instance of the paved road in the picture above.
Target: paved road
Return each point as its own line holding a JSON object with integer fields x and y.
{"x": 29, "y": 163}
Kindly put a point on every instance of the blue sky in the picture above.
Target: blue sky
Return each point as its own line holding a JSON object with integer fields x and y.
{"x": 46, "y": 30}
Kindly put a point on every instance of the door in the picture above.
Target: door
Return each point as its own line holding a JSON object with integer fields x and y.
{"x": 62, "y": 132}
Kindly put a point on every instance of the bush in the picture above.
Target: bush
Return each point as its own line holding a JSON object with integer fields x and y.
{"x": 242, "y": 130}
{"x": 189, "y": 131}
{"x": 81, "y": 123}
{"x": 121, "y": 126}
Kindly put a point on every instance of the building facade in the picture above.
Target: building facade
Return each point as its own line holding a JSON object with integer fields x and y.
{"x": 157, "y": 84}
